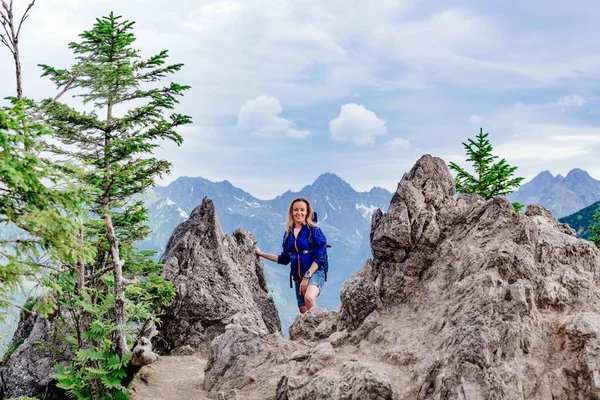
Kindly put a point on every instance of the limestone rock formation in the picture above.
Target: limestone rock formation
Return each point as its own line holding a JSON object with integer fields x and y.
{"x": 218, "y": 280}
{"x": 464, "y": 299}
{"x": 28, "y": 370}
{"x": 318, "y": 324}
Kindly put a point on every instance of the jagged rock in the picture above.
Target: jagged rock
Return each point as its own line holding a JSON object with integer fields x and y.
{"x": 369, "y": 324}
{"x": 483, "y": 302}
{"x": 28, "y": 370}
{"x": 359, "y": 297}
{"x": 186, "y": 350}
{"x": 317, "y": 323}
{"x": 236, "y": 354}
{"x": 338, "y": 338}
{"x": 217, "y": 278}
{"x": 464, "y": 299}
{"x": 353, "y": 380}
{"x": 322, "y": 356}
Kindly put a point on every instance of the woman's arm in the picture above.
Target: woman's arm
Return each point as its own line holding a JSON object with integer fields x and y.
{"x": 270, "y": 257}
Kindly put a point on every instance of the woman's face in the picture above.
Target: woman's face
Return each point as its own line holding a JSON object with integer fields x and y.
{"x": 299, "y": 212}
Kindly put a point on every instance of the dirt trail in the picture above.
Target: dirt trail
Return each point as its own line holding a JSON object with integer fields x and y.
{"x": 172, "y": 377}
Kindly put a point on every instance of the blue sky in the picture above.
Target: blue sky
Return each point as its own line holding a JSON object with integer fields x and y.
{"x": 283, "y": 91}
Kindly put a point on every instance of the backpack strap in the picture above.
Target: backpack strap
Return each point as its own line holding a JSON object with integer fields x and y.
{"x": 286, "y": 234}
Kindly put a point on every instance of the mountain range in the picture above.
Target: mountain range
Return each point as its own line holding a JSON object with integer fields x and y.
{"x": 561, "y": 195}
{"x": 344, "y": 216}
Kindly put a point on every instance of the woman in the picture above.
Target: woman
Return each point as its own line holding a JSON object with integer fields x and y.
{"x": 304, "y": 246}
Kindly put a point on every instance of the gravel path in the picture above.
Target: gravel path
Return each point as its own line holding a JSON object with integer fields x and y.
{"x": 170, "y": 378}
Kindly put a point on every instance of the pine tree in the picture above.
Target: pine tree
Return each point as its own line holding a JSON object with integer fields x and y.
{"x": 595, "y": 229}
{"x": 112, "y": 147}
{"x": 36, "y": 204}
{"x": 492, "y": 178}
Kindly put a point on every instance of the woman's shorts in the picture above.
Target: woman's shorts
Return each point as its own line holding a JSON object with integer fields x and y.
{"x": 317, "y": 279}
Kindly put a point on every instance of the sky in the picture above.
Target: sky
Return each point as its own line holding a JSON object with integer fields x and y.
{"x": 286, "y": 90}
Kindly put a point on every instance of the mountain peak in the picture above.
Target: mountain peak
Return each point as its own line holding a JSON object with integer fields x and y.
{"x": 545, "y": 173}
{"x": 561, "y": 195}
{"x": 544, "y": 176}
{"x": 330, "y": 180}
{"x": 328, "y": 177}
{"x": 577, "y": 173}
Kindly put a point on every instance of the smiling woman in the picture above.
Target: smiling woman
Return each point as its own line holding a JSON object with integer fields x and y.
{"x": 304, "y": 247}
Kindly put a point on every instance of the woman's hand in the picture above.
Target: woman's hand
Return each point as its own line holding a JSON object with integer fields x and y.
{"x": 258, "y": 252}
{"x": 303, "y": 286}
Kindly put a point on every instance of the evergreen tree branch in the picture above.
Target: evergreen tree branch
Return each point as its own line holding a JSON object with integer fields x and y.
{"x": 11, "y": 304}
{"x": 68, "y": 85}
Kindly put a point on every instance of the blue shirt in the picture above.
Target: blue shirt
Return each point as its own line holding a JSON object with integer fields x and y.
{"x": 297, "y": 251}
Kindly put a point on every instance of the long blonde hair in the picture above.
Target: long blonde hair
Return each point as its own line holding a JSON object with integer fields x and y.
{"x": 309, "y": 214}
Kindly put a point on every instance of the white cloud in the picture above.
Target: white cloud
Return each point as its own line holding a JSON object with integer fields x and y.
{"x": 260, "y": 116}
{"x": 476, "y": 119}
{"x": 578, "y": 138}
{"x": 567, "y": 102}
{"x": 398, "y": 144}
{"x": 410, "y": 61}
{"x": 356, "y": 124}
{"x": 540, "y": 152}
{"x": 545, "y": 142}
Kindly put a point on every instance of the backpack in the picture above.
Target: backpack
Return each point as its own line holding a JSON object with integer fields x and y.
{"x": 311, "y": 244}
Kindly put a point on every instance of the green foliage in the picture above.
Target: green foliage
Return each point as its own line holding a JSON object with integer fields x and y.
{"x": 23, "y": 398}
{"x": 517, "y": 206}
{"x": 595, "y": 229}
{"x": 95, "y": 373}
{"x": 491, "y": 178}
{"x": 111, "y": 151}
{"x": 9, "y": 351}
{"x": 78, "y": 216}
{"x": 582, "y": 220}
{"x": 35, "y": 198}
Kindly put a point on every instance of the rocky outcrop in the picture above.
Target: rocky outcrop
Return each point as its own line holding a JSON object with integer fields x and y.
{"x": 27, "y": 370}
{"x": 317, "y": 324}
{"x": 477, "y": 301}
{"x": 218, "y": 280}
{"x": 464, "y": 299}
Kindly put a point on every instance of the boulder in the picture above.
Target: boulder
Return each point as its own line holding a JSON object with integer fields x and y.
{"x": 218, "y": 280}
{"x": 317, "y": 323}
{"x": 27, "y": 371}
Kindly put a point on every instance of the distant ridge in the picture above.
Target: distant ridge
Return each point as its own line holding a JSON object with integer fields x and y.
{"x": 561, "y": 195}
{"x": 344, "y": 216}
{"x": 582, "y": 219}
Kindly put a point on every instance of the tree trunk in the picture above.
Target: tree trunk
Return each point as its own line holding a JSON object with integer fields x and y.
{"x": 120, "y": 282}
{"x": 18, "y": 69}
{"x": 11, "y": 39}
{"x": 121, "y": 342}
{"x": 80, "y": 267}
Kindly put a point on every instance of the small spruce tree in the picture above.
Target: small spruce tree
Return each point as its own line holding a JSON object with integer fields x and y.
{"x": 112, "y": 146}
{"x": 491, "y": 178}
